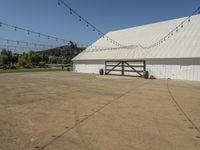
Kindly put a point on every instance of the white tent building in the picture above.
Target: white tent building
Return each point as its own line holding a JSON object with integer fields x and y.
{"x": 174, "y": 55}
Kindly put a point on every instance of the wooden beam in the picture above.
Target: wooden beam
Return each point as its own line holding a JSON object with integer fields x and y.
{"x": 112, "y": 68}
{"x": 134, "y": 69}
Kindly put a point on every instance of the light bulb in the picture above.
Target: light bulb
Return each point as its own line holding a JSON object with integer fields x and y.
{"x": 71, "y": 12}
{"x": 80, "y": 19}
{"x": 58, "y": 3}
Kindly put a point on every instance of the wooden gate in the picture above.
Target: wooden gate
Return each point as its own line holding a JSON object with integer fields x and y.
{"x": 125, "y": 68}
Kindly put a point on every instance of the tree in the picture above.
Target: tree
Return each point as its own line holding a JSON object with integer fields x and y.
{"x": 45, "y": 58}
{"x": 4, "y": 60}
{"x": 14, "y": 59}
{"x": 65, "y": 61}
{"x": 59, "y": 60}
{"x": 52, "y": 60}
{"x": 34, "y": 58}
{"x": 4, "y": 51}
{"x": 23, "y": 60}
{"x": 7, "y": 54}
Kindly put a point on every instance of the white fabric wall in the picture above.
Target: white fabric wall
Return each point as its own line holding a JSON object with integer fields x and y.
{"x": 183, "y": 69}
{"x": 88, "y": 66}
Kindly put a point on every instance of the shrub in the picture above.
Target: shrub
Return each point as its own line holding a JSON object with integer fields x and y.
{"x": 13, "y": 67}
{"x": 27, "y": 66}
{"x": 22, "y": 62}
{"x": 101, "y": 71}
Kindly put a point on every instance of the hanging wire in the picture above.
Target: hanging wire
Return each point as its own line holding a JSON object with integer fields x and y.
{"x": 181, "y": 25}
{"x": 72, "y": 11}
{"x": 30, "y": 32}
{"x": 159, "y": 42}
{"x": 14, "y": 46}
{"x": 26, "y": 43}
{"x": 171, "y": 33}
{"x": 197, "y": 11}
{"x": 58, "y": 3}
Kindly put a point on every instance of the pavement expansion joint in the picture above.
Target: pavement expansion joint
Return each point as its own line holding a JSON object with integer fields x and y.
{"x": 182, "y": 112}
{"x": 37, "y": 147}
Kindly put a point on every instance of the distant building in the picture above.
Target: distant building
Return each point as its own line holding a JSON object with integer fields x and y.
{"x": 175, "y": 57}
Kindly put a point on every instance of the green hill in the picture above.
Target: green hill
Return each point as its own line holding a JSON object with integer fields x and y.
{"x": 67, "y": 51}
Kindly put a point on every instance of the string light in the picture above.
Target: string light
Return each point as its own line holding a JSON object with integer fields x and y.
{"x": 116, "y": 43}
{"x": 198, "y": 11}
{"x": 25, "y": 43}
{"x": 15, "y": 47}
{"x": 71, "y": 13}
{"x": 181, "y": 25}
{"x": 99, "y": 32}
{"x": 176, "y": 29}
{"x": 82, "y": 19}
{"x": 32, "y": 32}
{"x": 58, "y": 3}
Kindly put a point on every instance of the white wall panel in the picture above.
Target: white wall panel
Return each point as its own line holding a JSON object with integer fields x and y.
{"x": 182, "y": 69}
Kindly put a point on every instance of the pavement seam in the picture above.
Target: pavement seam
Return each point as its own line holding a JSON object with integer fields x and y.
{"x": 89, "y": 116}
{"x": 181, "y": 109}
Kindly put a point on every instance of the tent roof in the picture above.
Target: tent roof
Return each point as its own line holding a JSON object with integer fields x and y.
{"x": 182, "y": 44}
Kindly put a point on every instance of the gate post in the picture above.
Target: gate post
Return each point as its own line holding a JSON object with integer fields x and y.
{"x": 122, "y": 68}
{"x": 105, "y": 67}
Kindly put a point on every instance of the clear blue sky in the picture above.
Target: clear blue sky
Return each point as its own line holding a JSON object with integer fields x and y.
{"x": 44, "y": 16}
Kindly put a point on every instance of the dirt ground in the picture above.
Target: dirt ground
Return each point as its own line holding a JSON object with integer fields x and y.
{"x": 70, "y": 111}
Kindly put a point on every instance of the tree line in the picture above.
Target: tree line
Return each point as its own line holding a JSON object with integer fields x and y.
{"x": 59, "y": 55}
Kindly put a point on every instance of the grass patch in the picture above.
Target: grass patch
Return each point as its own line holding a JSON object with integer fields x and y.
{"x": 30, "y": 70}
